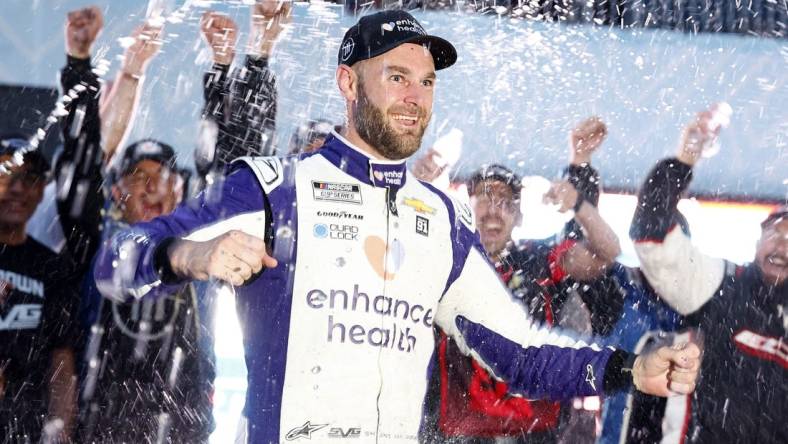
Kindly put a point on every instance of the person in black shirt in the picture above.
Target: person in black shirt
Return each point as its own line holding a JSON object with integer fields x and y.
{"x": 38, "y": 302}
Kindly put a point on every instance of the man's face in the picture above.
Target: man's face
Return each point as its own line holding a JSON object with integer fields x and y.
{"x": 771, "y": 254}
{"x": 20, "y": 193}
{"x": 148, "y": 191}
{"x": 497, "y": 213}
{"x": 394, "y": 103}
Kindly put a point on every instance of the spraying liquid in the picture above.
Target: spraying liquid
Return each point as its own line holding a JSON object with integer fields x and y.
{"x": 720, "y": 118}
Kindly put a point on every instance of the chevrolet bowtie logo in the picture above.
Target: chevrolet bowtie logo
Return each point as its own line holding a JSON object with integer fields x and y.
{"x": 418, "y": 205}
{"x": 304, "y": 431}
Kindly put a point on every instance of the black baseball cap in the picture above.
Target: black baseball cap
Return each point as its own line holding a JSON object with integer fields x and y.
{"x": 778, "y": 213}
{"x": 11, "y": 143}
{"x": 499, "y": 173}
{"x": 146, "y": 149}
{"x": 383, "y": 31}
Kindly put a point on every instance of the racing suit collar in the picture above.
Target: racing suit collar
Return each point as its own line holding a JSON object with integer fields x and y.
{"x": 355, "y": 162}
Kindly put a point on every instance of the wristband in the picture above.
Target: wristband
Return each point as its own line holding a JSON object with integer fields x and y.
{"x": 128, "y": 75}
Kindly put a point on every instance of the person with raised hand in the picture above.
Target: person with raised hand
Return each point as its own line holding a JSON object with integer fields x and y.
{"x": 739, "y": 309}
{"x": 240, "y": 104}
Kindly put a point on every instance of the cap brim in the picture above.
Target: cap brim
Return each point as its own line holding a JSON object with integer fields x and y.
{"x": 443, "y": 53}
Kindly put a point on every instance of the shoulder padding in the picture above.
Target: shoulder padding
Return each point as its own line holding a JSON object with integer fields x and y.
{"x": 268, "y": 170}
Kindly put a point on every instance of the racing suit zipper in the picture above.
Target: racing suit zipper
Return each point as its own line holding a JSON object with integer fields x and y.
{"x": 391, "y": 201}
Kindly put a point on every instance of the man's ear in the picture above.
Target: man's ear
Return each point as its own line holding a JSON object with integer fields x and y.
{"x": 347, "y": 81}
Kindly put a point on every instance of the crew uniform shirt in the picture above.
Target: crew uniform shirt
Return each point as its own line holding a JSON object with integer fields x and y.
{"x": 338, "y": 337}
{"x": 38, "y": 305}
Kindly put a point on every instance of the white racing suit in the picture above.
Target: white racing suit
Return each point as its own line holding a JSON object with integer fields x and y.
{"x": 339, "y": 337}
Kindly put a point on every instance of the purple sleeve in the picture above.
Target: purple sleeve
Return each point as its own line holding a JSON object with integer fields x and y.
{"x": 126, "y": 263}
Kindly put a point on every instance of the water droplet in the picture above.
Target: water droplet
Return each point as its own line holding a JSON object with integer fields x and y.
{"x": 340, "y": 262}
{"x": 316, "y": 369}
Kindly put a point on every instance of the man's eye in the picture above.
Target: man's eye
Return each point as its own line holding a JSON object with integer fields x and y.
{"x": 428, "y": 82}
{"x": 396, "y": 78}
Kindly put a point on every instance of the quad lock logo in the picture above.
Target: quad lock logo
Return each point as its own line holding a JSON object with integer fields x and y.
{"x": 335, "y": 231}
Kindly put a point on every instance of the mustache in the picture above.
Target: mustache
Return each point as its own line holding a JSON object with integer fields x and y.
{"x": 409, "y": 110}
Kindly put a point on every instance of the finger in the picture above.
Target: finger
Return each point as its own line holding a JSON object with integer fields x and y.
{"x": 248, "y": 257}
{"x": 270, "y": 262}
{"x": 231, "y": 277}
{"x": 681, "y": 389}
{"x": 682, "y": 377}
{"x": 254, "y": 243}
{"x": 686, "y": 356}
{"x": 240, "y": 268}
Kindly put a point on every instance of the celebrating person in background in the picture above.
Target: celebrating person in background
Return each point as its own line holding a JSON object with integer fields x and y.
{"x": 740, "y": 310}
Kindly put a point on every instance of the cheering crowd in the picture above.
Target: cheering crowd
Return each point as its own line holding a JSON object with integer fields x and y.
{"x": 376, "y": 304}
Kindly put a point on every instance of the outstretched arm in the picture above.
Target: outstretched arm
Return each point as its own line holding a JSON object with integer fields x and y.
{"x": 219, "y": 234}
{"x": 487, "y": 324}
{"x": 683, "y": 276}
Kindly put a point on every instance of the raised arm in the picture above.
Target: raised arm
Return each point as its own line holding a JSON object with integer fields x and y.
{"x": 119, "y": 106}
{"x": 683, "y": 276}
{"x": 242, "y": 104}
{"x": 80, "y": 198}
{"x": 597, "y": 245}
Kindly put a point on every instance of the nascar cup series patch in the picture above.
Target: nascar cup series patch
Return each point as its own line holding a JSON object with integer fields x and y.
{"x": 337, "y": 192}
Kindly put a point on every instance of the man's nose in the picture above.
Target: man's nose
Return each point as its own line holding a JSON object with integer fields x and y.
{"x": 416, "y": 94}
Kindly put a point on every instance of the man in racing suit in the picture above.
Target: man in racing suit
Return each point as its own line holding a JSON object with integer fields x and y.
{"x": 361, "y": 260}
{"x": 740, "y": 310}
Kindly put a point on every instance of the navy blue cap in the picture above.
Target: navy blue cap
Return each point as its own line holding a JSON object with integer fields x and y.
{"x": 383, "y": 31}
{"x": 146, "y": 149}
{"x": 499, "y": 173}
{"x": 11, "y": 143}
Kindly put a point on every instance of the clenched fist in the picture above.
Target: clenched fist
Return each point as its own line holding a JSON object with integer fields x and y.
{"x": 220, "y": 32}
{"x": 233, "y": 257}
{"x": 586, "y": 138}
{"x": 667, "y": 371}
{"x": 269, "y": 18}
{"x": 82, "y": 28}
{"x": 147, "y": 41}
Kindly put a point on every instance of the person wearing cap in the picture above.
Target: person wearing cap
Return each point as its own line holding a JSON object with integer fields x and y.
{"x": 342, "y": 263}
{"x": 146, "y": 369}
{"x": 38, "y": 306}
{"x": 739, "y": 309}
{"x": 541, "y": 275}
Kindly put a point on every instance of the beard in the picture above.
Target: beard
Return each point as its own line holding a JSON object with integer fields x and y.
{"x": 373, "y": 128}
